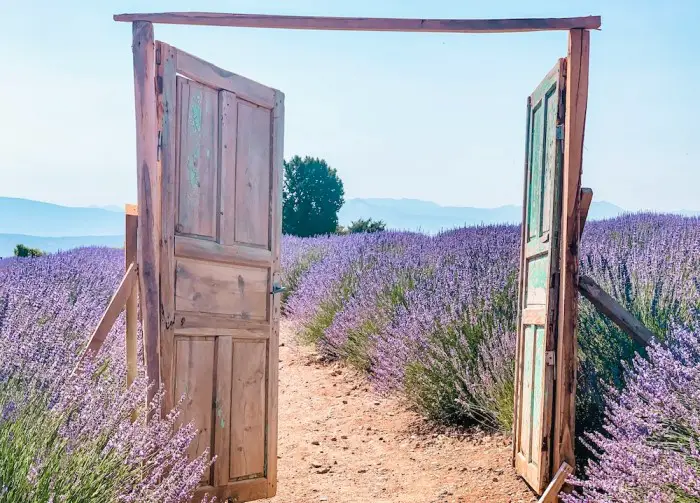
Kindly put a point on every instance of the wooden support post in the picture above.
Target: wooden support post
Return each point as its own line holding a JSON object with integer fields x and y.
{"x": 552, "y": 492}
{"x": 115, "y": 306}
{"x": 148, "y": 189}
{"x": 586, "y": 198}
{"x": 613, "y": 310}
{"x": 130, "y": 232}
{"x": 576, "y": 103}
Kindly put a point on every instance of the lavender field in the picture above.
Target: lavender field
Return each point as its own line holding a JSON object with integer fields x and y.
{"x": 431, "y": 318}
{"x": 434, "y": 319}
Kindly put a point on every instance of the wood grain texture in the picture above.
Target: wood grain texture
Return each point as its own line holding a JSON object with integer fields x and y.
{"x": 586, "y": 199}
{"x": 517, "y": 396}
{"x": 198, "y": 129}
{"x": 215, "y": 252}
{"x": 217, "y": 78}
{"x": 366, "y": 23}
{"x": 247, "y": 451}
{"x": 222, "y": 409}
{"x": 131, "y": 314}
{"x": 244, "y": 490}
{"x": 612, "y": 309}
{"x": 276, "y": 247}
{"x": 253, "y": 175}
{"x": 148, "y": 190}
{"x": 194, "y": 379}
{"x": 114, "y": 308}
{"x": 551, "y": 493}
{"x": 228, "y": 120}
{"x": 207, "y": 287}
{"x": 168, "y": 132}
{"x": 576, "y": 104}
{"x": 185, "y": 320}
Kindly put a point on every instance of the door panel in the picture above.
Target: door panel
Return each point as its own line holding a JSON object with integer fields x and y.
{"x": 221, "y": 157}
{"x": 538, "y": 288}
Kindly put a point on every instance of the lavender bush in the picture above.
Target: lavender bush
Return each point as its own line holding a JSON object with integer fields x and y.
{"x": 648, "y": 449}
{"x": 70, "y": 437}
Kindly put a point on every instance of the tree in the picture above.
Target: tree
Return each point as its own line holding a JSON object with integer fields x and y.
{"x": 25, "y": 251}
{"x": 366, "y": 225}
{"x": 313, "y": 194}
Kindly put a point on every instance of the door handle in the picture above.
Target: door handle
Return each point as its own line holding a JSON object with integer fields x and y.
{"x": 277, "y": 288}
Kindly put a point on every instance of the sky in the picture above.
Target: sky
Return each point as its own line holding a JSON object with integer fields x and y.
{"x": 438, "y": 117}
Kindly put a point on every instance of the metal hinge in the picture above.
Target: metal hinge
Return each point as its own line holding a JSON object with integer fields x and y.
{"x": 158, "y": 56}
{"x": 560, "y": 132}
{"x": 160, "y": 145}
{"x": 549, "y": 358}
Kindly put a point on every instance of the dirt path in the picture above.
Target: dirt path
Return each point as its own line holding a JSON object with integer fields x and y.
{"x": 339, "y": 442}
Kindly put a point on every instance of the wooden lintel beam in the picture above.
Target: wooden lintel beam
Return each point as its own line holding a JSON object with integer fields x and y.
{"x": 613, "y": 310}
{"x": 366, "y": 23}
{"x": 550, "y": 495}
{"x": 115, "y": 306}
{"x": 586, "y": 198}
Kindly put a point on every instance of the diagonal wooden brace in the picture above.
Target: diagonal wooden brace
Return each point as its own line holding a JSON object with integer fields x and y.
{"x": 116, "y": 304}
{"x": 550, "y": 495}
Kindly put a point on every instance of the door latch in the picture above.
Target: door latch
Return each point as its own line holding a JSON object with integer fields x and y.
{"x": 277, "y": 288}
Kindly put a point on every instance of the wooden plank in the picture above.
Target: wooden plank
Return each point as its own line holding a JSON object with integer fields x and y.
{"x": 576, "y": 103}
{"x": 148, "y": 195}
{"x": 188, "y": 319}
{"x": 586, "y": 198}
{"x": 215, "y": 252}
{"x": 276, "y": 246}
{"x": 198, "y": 111}
{"x": 253, "y": 173}
{"x": 366, "y": 23}
{"x": 521, "y": 282}
{"x": 221, "y": 289}
{"x": 130, "y": 240}
{"x": 168, "y": 131}
{"x": 194, "y": 378}
{"x": 243, "y": 490}
{"x": 247, "y": 452}
{"x": 115, "y": 306}
{"x": 222, "y": 409}
{"x": 197, "y": 69}
{"x": 228, "y": 104}
{"x": 550, "y": 495}
{"x": 250, "y": 334}
{"x": 613, "y": 310}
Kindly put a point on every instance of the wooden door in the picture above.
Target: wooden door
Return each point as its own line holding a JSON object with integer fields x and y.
{"x": 220, "y": 155}
{"x": 539, "y": 267}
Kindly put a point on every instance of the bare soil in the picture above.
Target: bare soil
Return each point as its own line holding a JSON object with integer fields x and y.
{"x": 341, "y": 442}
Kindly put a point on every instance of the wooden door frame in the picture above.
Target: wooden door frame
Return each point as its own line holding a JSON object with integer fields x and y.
{"x": 149, "y": 172}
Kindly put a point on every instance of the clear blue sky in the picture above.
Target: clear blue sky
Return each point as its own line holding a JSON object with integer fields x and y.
{"x": 428, "y": 116}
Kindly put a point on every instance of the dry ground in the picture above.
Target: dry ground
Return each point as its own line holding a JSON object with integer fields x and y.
{"x": 340, "y": 442}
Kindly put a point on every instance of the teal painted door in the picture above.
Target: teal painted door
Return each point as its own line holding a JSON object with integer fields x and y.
{"x": 538, "y": 289}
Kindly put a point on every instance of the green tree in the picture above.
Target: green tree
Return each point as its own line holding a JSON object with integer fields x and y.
{"x": 313, "y": 194}
{"x": 25, "y": 251}
{"x": 366, "y": 225}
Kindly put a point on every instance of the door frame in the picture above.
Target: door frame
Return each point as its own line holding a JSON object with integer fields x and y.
{"x": 148, "y": 174}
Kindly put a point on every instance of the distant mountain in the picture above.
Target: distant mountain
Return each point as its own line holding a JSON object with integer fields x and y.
{"x": 54, "y": 244}
{"x": 24, "y": 216}
{"x": 414, "y": 214}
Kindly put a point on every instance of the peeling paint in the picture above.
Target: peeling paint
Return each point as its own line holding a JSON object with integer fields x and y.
{"x": 196, "y": 113}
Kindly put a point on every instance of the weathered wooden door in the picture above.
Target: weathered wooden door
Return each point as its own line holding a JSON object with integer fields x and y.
{"x": 539, "y": 266}
{"x": 220, "y": 154}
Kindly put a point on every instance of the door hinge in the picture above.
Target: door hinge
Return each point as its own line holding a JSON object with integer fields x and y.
{"x": 158, "y": 56}
{"x": 549, "y": 358}
{"x": 160, "y": 144}
{"x": 560, "y": 132}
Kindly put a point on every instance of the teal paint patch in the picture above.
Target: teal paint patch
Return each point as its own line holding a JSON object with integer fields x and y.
{"x": 196, "y": 112}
